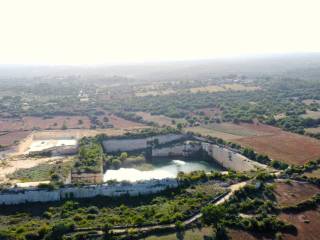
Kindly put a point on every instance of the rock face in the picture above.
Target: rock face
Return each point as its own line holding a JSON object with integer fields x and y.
{"x": 184, "y": 150}
{"x": 18, "y": 196}
{"x": 230, "y": 159}
{"x": 121, "y": 145}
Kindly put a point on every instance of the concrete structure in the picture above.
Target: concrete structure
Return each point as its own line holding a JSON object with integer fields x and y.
{"x": 230, "y": 159}
{"x": 130, "y": 144}
{"x": 19, "y": 196}
{"x": 185, "y": 150}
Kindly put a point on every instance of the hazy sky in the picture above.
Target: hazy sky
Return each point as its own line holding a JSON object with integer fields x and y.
{"x": 90, "y": 32}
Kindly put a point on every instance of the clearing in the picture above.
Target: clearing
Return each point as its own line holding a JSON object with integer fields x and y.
{"x": 307, "y": 224}
{"x": 292, "y": 193}
{"x": 311, "y": 114}
{"x": 160, "y": 119}
{"x": 223, "y": 88}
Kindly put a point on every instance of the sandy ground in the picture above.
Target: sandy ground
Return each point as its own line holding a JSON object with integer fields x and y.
{"x": 16, "y": 163}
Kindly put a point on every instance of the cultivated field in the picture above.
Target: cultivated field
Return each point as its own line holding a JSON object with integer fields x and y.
{"x": 38, "y": 123}
{"x": 288, "y": 147}
{"x": 118, "y": 122}
{"x": 223, "y": 88}
{"x": 277, "y": 144}
{"x": 8, "y": 139}
{"x": 292, "y": 193}
{"x": 307, "y": 224}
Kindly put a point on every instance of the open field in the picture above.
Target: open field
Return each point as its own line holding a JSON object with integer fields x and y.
{"x": 118, "y": 122}
{"x": 312, "y": 130}
{"x": 311, "y": 114}
{"x": 288, "y": 147}
{"x": 33, "y": 123}
{"x": 200, "y": 234}
{"x": 292, "y": 193}
{"x": 315, "y": 173}
{"x": 307, "y": 224}
{"x": 154, "y": 93}
{"x": 242, "y": 235}
{"x": 310, "y": 101}
{"x": 231, "y": 131}
{"x": 14, "y": 164}
{"x": 276, "y": 143}
{"x": 10, "y": 138}
{"x": 223, "y": 88}
{"x": 159, "y": 119}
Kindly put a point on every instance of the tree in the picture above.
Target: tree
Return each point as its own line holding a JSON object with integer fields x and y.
{"x": 179, "y": 126}
{"x": 213, "y": 214}
{"x": 123, "y": 156}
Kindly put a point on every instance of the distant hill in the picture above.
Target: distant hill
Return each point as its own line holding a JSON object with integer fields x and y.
{"x": 290, "y": 65}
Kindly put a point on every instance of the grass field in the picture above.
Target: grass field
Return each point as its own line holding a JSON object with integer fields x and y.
{"x": 160, "y": 119}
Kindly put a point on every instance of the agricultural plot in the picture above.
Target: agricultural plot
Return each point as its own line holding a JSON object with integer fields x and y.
{"x": 118, "y": 122}
{"x": 307, "y": 224}
{"x": 10, "y": 138}
{"x": 277, "y": 144}
{"x": 223, "y": 88}
{"x": 38, "y": 123}
{"x": 292, "y": 193}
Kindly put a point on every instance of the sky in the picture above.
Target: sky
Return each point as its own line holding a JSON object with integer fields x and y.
{"x": 125, "y": 31}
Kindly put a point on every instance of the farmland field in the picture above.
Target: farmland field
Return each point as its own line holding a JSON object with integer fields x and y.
{"x": 223, "y": 88}
{"x": 288, "y": 147}
{"x": 292, "y": 193}
{"x": 276, "y": 143}
{"x": 307, "y": 224}
{"x": 7, "y": 139}
{"x": 32, "y": 123}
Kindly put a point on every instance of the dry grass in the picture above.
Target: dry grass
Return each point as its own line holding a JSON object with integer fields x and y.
{"x": 312, "y": 130}
{"x": 315, "y": 173}
{"x": 311, "y": 114}
{"x": 154, "y": 93}
{"x": 223, "y": 88}
{"x": 160, "y": 119}
{"x": 310, "y": 101}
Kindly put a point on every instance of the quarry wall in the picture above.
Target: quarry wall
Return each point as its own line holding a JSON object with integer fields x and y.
{"x": 116, "y": 145}
{"x": 19, "y": 196}
{"x": 185, "y": 150}
{"x": 230, "y": 159}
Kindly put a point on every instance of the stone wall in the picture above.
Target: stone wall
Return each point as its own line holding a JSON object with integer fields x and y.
{"x": 230, "y": 159}
{"x": 184, "y": 150}
{"x": 19, "y": 196}
{"x": 120, "y": 145}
